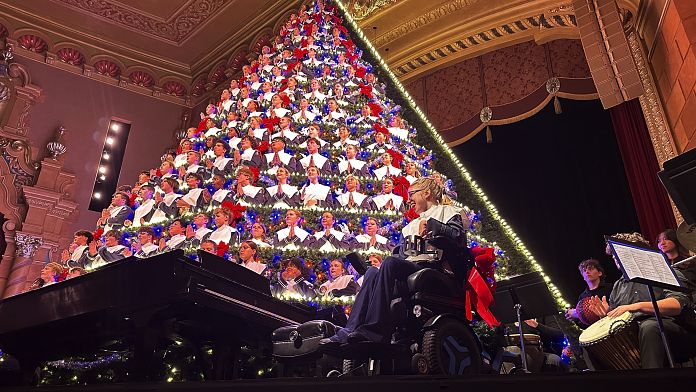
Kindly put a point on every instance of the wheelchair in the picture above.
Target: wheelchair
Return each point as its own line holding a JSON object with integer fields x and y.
{"x": 432, "y": 333}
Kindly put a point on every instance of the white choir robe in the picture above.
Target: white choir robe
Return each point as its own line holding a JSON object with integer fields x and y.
{"x": 279, "y": 112}
{"x": 320, "y": 161}
{"x": 194, "y": 198}
{"x": 251, "y": 195}
{"x": 260, "y": 133}
{"x": 147, "y": 250}
{"x": 117, "y": 215}
{"x": 167, "y": 208}
{"x": 338, "y": 284}
{"x": 337, "y": 115}
{"x": 380, "y": 201}
{"x": 380, "y": 148}
{"x": 301, "y": 238}
{"x": 261, "y": 243}
{"x": 180, "y": 160}
{"x": 289, "y": 198}
{"x": 287, "y": 134}
{"x": 234, "y": 142}
{"x": 214, "y": 131}
{"x": 320, "y": 193}
{"x": 357, "y": 167}
{"x": 227, "y": 104}
{"x": 146, "y": 211}
{"x": 226, "y": 234}
{"x": 309, "y": 116}
{"x": 410, "y": 178}
{"x": 331, "y": 243}
{"x": 257, "y": 267}
{"x": 382, "y": 243}
{"x": 360, "y": 199}
{"x": 441, "y": 213}
{"x": 387, "y": 171}
{"x": 201, "y": 234}
{"x": 286, "y": 161}
{"x": 176, "y": 242}
{"x": 251, "y": 157}
{"x": 343, "y": 144}
{"x": 322, "y": 143}
{"x": 401, "y": 133}
{"x": 220, "y": 196}
{"x": 222, "y": 165}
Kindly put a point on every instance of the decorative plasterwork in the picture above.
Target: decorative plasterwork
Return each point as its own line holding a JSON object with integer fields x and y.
{"x": 561, "y": 18}
{"x": 176, "y": 29}
{"x": 27, "y": 244}
{"x": 363, "y": 9}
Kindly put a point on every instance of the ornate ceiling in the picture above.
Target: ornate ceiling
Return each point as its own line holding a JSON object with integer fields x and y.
{"x": 181, "y": 50}
{"x": 417, "y": 37}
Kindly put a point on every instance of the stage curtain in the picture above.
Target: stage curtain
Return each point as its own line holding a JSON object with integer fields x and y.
{"x": 649, "y": 196}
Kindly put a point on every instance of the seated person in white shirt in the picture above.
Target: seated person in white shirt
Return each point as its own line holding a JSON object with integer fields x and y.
{"x": 144, "y": 247}
{"x": 304, "y": 115}
{"x": 387, "y": 200}
{"x": 221, "y": 164}
{"x": 77, "y": 255}
{"x": 193, "y": 200}
{"x": 314, "y": 132}
{"x": 277, "y": 157}
{"x": 397, "y": 128}
{"x": 198, "y": 232}
{"x": 186, "y": 145}
{"x": 329, "y": 239}
{"x": 111, "y": 251}
{"x": 248, "y": 257}
{"x": 117, "y": 213}
{"x": 314, "y": 194}
{"x": 283, "y": 195}
{"x": 277, "y": 109}
{"x": 334, "y": 113}
{"x": 146, "y": 208}
{"x": 387, "y": 169}
{"x": 192, "y": 165}
{"x": 248, "y": 156}
{"x": 258, "y": 235}
{"x": 223, "y": 232}
{"x": 226, "y": 101}
{"x": 340, "y": 283}
{"x": 285, "y": 130}
{"x": 412, "y": 173}
{"x": 352, "y": 197}
{"x": 353, "y": 165}
{"x": 245, "y": 192}
{"x": 366, "y": 118}
{"x": 293, "y": 235}
{"x": 344, "y": 139}
{"x": 221, "y": 193}
{"x": 255, "y": 130}
{"x": 166, "y": 204}
{"x": 177, "y": 237}
{"x": 380, "y": 145}
{"x": 371, "y": 240}
{"x": 313, "y": 158}
{"x": 315, "y": 94}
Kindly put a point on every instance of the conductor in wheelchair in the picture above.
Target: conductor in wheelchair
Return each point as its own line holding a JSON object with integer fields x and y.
{"x": 427, "y": 243}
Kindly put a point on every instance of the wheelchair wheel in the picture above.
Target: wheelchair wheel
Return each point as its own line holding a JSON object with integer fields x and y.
{"x": 451, "y": 349}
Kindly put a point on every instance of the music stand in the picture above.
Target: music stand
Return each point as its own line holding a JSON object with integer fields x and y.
{"x": 650, "y": 267}
{"x": 523, "y": 297}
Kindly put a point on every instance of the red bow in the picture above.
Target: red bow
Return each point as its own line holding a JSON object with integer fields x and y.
{"x": 132, "y": 198}
{"x": 350, "y": 56}
{"x": 411, "y": 214}
{"x": 477, "y": 292}
{"x": 401, "y": 185}
{"x": 262, "y": 148}
{"x": 366, "y": 90}
{"x": 360, "y": 72}
{"x": 299, "y": 53}
{"x": 221, "y": 249}
{"x": 237, "y": 210}
{"x": 98, "y": 233}
{"x": 255, "y": 170}
{"x": 201, "y": 125}
{"x": 268, "y": 123}
{"x": 381, "y": 129}
{"x": 375, "y": 108}
{"x": 285, "y": 99}
{"x": 397, "y": 158}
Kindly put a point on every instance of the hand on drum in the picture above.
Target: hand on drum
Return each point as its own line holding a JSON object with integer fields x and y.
{"x": 619, "y": 310}
{"x": 599, "y": 307}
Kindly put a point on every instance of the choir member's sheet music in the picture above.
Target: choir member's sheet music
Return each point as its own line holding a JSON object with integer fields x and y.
{"x": 644, "y": 264}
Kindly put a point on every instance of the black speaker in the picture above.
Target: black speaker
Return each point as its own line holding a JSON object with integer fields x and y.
{"x": 679, "y": 178}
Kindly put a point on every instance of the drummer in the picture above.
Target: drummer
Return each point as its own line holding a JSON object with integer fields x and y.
{"x": 675, "y": 307}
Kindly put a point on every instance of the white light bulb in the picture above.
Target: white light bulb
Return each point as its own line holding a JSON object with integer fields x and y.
{"x": 97, "y": 195}
{"x": 102, "y": 169}
{"x": 109, "y": 140}
{"x": 115, "y": 127}
{"x": 106, "y": 155}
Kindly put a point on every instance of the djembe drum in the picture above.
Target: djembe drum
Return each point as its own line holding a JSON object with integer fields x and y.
{"x": 613, "y": 342}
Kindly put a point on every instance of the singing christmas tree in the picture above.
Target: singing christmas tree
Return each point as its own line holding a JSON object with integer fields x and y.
{"x": 309, "y": 155}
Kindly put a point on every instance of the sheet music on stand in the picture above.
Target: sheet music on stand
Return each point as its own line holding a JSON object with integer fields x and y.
{"x": 644, "y": 265}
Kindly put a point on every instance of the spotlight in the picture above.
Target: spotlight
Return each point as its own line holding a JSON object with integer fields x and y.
{"x": 102, "y": 177}
{"x": 97, "y": 195}
{"x": 109, "y": 140}
{"x": 115, "y": 126}
{"x": 102, "y": 169}
{"x": 106, "y": 155}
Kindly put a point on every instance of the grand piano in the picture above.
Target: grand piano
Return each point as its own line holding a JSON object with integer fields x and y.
{"x": 142, "y": 302}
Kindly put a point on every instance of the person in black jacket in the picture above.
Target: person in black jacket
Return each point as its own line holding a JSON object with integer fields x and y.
{"x": 593, "y": 274}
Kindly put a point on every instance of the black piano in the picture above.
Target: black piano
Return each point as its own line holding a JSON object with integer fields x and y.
{"x": 142, "y": 301}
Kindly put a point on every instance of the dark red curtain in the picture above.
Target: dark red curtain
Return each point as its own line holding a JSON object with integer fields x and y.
{"x": 649, "y": 196}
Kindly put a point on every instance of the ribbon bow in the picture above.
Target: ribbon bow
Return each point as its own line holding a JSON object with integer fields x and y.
{"x": 236, "y": 209}
{"x": 366, "y": 90}
{"x": 478, "y": 290}
{"x": 221, "y": 249}
{"x": 262, "y": 148}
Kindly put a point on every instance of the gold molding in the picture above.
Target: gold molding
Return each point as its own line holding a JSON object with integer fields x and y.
{"x": 361, "y": 12}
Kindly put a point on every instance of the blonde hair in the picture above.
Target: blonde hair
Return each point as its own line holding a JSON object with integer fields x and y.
{"x": 429, "y": 183}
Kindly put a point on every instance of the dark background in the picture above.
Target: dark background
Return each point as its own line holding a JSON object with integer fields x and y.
{"x": 559, "y": 181}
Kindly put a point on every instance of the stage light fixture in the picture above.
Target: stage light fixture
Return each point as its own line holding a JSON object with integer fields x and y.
{"x": 97, "y": 195}
{"x": 115, "y": 126}
{"x": 106, "y": 155}
{"x": 102, "y": 169}
{"x": 109, "y": 140}
{"x": 102, "y": 177}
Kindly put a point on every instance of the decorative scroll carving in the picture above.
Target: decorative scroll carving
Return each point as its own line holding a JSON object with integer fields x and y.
{"x": 27, "y": 244}
{"x": 361, "y": 10}
{"x": 176, "y": 29}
